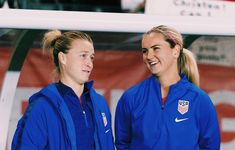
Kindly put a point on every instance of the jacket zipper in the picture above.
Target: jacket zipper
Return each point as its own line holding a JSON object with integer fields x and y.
{"x": 85, "y": 118}
{"x": 84, "y": 112}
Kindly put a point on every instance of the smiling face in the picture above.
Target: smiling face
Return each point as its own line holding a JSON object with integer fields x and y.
{"x": 77, "y": 64}
{"x": 158, "y": 56}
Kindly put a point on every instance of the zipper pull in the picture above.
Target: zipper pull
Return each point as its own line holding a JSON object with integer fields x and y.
{"x": 85, "y": 118}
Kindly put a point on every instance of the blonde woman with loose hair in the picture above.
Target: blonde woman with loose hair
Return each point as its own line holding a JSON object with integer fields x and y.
{"x": 68, "y": 114}
{"x": 168, "y": 110}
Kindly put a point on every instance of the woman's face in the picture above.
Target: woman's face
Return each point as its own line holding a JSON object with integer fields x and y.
{"x": 77, "y": 64}
{"x": 158, "y": 56}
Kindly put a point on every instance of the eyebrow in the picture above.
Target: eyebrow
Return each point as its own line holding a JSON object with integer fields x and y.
{"x": 155, "y": 45}
{"x": 152, "y": 46}
{"x": 85, "y": 51}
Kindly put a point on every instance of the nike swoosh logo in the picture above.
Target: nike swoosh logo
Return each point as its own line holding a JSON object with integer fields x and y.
{"x": 179, "y": 120}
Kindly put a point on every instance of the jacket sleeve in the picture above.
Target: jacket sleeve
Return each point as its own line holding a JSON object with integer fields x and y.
{"x": 111, "y": 141}
{"x": 123, "y": 124}
{"x": 209, "y": 138}
{"x": 34, "y": 131}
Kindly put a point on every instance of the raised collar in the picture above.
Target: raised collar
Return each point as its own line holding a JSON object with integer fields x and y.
{"x": 64, "y": 89}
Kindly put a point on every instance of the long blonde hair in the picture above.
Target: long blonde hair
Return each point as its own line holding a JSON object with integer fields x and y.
{"x": 186, "y": 61}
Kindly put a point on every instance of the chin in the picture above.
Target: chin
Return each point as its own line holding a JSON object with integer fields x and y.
{"x": 82, "y": 81}
{"x": 155, "y": 72}
{"x": 86, "y": 80}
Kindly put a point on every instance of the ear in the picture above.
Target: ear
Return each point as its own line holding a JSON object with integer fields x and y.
{"x": 62, "y": 58}
{"x": 176, "y": 51}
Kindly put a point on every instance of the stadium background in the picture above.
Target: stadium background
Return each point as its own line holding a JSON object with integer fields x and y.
{"x": 118, "y": 65}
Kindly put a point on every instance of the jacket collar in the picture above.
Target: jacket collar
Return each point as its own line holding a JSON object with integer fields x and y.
{"x": 176, "y": 90}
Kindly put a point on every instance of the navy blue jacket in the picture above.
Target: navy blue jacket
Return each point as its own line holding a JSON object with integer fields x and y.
{"x": 186, "y": 121}
{"x": 49, "y": 124}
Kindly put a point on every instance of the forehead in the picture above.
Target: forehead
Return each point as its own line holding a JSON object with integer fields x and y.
{"x": 82, "y": 45}
{"x": 153, "y": 37}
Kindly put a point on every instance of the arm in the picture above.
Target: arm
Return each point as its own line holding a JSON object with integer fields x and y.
{"x": 111, "y": 143}
{"x": 209, "y": 138}
{"x": 123, "y": 124}
{"x": 31, "y": 131}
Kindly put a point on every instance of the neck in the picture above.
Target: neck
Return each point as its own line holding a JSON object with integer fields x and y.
{"x": 167, "y": 81}
{"x": 77, "y": 87}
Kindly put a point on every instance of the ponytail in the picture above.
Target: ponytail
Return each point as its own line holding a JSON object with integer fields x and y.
{"x": 188, "y": 66}
{"x": 49, "y": 42}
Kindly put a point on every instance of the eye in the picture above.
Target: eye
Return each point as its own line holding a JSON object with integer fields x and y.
{"x": 144, "y": 50}
{"x": 92, "y": 57}
{"x": 83, "y": 55}
{"x": 156, "y": 48}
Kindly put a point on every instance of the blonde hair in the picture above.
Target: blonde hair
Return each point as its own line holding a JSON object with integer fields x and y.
{"x": 54, "y": 41}
{"x": 186, "y": 60}
{"x": 189, "y": 67}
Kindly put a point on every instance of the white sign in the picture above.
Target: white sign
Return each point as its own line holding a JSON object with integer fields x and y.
{"x": 215, "y": 50}
{"x": 205, "y": 8}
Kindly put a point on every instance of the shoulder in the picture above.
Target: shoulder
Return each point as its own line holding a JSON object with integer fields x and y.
{"x": 39, "y": 104}
{"x": 202, "y": 99}
{"x": 200, "y": 93}
{"x": 96, "y": 96}
{"x": 192, "y": 88}
{"x": 136, "y": 93}
{"x": 139, "y": 88}
{"x": 98, "y": 99}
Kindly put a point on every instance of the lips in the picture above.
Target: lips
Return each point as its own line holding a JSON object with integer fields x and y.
{"x": 152, "y": 63}
{"x": 86, "y": 71}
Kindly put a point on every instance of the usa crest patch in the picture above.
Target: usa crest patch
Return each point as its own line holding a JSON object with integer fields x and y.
{"x": 183, "y": 106}
{"x": 104, "y": 119}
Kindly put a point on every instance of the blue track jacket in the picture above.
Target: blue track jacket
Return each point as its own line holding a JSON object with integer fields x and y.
{"x": 50, "y": 126}
{"x": 186, "y": 121}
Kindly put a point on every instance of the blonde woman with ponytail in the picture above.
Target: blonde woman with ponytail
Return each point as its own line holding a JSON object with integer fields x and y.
{"x": 68, "y": 114}
{"x": 168, "y": 110}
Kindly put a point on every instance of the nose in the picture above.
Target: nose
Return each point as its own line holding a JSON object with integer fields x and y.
{"x": 89, "y": 62}
{"x": 150, "y": 54}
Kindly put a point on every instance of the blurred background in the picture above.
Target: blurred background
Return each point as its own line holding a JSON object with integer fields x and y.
{"x": 118, "y": 62}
